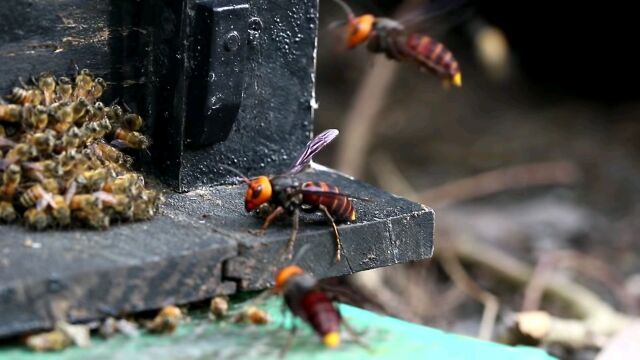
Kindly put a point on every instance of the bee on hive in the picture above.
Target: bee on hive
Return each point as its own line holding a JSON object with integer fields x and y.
{"x": 59, "y": 165}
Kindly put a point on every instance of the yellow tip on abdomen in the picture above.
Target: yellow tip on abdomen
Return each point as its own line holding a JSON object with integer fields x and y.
{"x": 353, "y": 216}
{"x": 332, "y": 339}
{"x": 457, "y": 79}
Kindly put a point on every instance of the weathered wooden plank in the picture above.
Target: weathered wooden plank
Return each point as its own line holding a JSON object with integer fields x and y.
{"x": 199, "y": 246}
{"x": 40, "y": 35}
{"x": 389, "y": 230}
{"x": 81, "y": 275}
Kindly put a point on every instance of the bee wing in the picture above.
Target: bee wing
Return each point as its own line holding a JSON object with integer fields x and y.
{"x": 105, "y": 197}
{"x": 45, "y": 199}
{"x": 71, "y": 190}
{"x": 436, "y": 17}
{"x": 119, "y": 144}
{"x": 311, "y": 149}
{"x": 5, "y": 163}
{"x": 340, "y": 293}
{"x": 6, "y": 143}
{"x": 316, "y": 190}
{"x": 30, "y": 165}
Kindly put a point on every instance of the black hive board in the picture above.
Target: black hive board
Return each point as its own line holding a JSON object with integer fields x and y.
{"x": 198, "y": 246}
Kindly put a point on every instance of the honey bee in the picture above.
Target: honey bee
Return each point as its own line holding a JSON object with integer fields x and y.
{"x": 47, "y": 84}
{"x": 56, "y": 167}
{"x": 97, "y": 88}
{"x": 37, "y": 218}
{"x": 145, "y": 207}
{"x": 35, "y": 117}
{"x": 70, "y": 140}
{"x": 63, "y": 114}
{"x": 119, "y": 204}
{"x": 94, "y": 180}
{"x": 21, "y": 96}
{"x": 129, "y": 139}
{"x": 36, "y": 196}
{"x": 129, "y": 121}
{"x": 64, "y": 90}
{"x": 88, "y": 208}
{"x": 10, "y": 181}
{"x": 166, "y": 321}
{"x": 110, "y": 154}
{"x": 253, "y": 315}
{"x": 6, "y": 143}
{"x": 70, "y": 161}
{"x": 41, "y": 117}
{"x": 94, "y": 130}
{"x": 219, "y": 307}
{"x": 50, "y": 185}
{"x": 20, "y": 152}
{"x": 79, "y": 109}
{"x": 84, "y": 83}
{"x": 115, "y": 114}
{"x": 43, "y": 169}
{"x": 55, "y": 340}
{"x": 95, "y": 219}
{"x": 11, "y": 112}
{"x": 96, "y": 112}
{"x": 7, "y": 212}
{"x": 132, "y": 122}
{"x": 130, "y": 184}
{"x": 61, "y": 213}
{"x": 44, "y": 141}
{"x": 84, "y": 202}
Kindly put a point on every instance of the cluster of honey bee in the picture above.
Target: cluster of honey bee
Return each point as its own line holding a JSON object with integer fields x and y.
{"x": 61, "y": 162}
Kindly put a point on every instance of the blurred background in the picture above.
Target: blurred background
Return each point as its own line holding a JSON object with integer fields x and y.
{"x": 532, "y": 166}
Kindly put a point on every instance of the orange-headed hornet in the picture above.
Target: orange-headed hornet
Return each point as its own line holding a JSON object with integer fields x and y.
{"x": 388, "y": 36}
{"x": 286, "y": 193}
{"x": 306, "y": 300}
{"x": 309, "y": 300}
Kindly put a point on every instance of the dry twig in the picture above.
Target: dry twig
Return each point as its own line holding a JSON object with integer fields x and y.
{"x": 356, "y": 135}
{"x": 597, "y": 320}
{"x": 583, "y": 263}
{"x": 515, "y": 177}
{"x": 454, "y": 269}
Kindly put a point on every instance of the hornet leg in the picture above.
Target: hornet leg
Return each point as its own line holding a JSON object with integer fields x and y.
{"x": 287, "y": 345}
{"x": 392, "y": 49}
{"x": 294, "y": 233}
{"x": 355, "y": 335}
{"x": 274, "y": 215}
{"x": 327, "y": 214}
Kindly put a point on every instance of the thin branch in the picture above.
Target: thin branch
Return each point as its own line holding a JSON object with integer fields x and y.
{"x": 585, "y": 264}
{"x": 586, "y": 305}
{"x": 356, "y": 136}
{"x": 454, "y": 269}
{"x": 389, "y": 176}
{"x": 516, "y": 177}
{"x": 538, "y": 283}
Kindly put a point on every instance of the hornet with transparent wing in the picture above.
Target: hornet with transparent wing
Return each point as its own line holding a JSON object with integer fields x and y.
{"x": 276, "y": 195}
